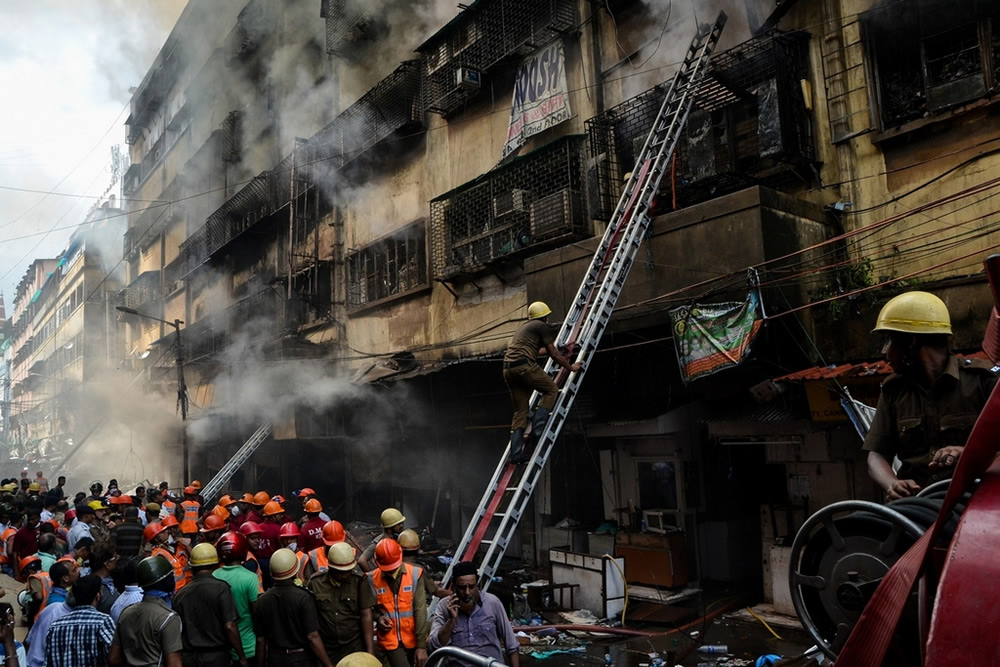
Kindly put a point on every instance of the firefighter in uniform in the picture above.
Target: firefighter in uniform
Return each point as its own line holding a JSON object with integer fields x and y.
{"x": 190, "y": 507}
{"x": 251, "y": 531}
{"x": 316, "y": 559}
{"x": 155, "y": 533}
{"x": 931, "y": 401}
{"x": 410, "y": 542}
{"x": 344, "y": 602}
{"x": 392, "y": 525}
{"x": 285, "y": 620}
{"x": 288, "y": 538}
{"x": 401, "y": 627}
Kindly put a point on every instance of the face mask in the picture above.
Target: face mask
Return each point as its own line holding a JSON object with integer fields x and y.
{"x": 294, "y": 546}
{"x": 235, "y": 511}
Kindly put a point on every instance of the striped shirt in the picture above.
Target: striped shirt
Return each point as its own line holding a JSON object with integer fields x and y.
{"x": 81, "y": 638}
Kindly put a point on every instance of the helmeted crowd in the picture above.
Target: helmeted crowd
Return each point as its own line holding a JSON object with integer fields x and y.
{"x": 157, "y": 578}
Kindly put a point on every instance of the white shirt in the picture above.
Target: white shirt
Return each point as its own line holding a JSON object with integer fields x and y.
{"x": 79, "y": 529}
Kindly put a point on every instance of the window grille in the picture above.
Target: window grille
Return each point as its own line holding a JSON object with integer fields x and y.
{"x": 389, "y": 267}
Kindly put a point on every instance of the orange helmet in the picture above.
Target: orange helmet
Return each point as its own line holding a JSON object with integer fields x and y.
{"x": 152, "y": 530}
{"x": 388, "y": 554}
{"x": 272, "y": 508}
{"x": 289, "y": 529}
{"x": 189, "y": 526}
{"x": 170, "y": 521}
{"x": 220, "y": 512}
{"x": 247, "y": 498}
{"x": 313, "y": 506}
{"x": 190, "y": 491}
{"x": 305, "y": 491}
{"x": 226, "y": 500}
{"x": 28, "y": 560}
{"x": 262, "y": 498}
{"x": 213, "y": 522}
{"x": 250, "y": 528}
{"x": 333, "y": 532}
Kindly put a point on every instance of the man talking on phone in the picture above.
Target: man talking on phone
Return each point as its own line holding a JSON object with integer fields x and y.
{"x": 474, "y": 620}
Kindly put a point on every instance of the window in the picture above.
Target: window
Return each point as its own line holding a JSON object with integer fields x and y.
{"x": 390, "y": 267}
{"x": 930, "y": 56}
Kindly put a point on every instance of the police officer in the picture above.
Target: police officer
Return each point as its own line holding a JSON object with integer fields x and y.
{"x": 931, "y": 401}
{"x": 149, "y": 633}
{"x": 285, "y": 621}
{"x": 344, "y": 600}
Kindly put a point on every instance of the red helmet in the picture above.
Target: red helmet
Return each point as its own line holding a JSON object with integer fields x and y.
{"x": 152, "y": 530}
{"x": 305, "y": 491}
{"x": 313, "y": 506}
{"x": 388, "y": 554}
{"x": 213, "y": 522}
{"x": 250, "y": 528}
{"x": 289, "y": 529}
{"x": 232, "y": 546}
{"x": 190, "y": 491}
{"x": 170, "y": 521}
{"x": 272, "y": 508}
{"x": 333, "y": 532}
{"x": 278, "y": 498}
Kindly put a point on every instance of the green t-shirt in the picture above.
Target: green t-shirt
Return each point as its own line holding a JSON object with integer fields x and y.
{"x": 245, "y": 590}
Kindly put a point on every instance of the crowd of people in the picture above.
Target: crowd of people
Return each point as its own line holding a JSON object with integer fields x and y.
{"x": 154, "y": 577}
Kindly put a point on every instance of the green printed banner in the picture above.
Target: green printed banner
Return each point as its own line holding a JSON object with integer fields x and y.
{"x": 711, "y": 337}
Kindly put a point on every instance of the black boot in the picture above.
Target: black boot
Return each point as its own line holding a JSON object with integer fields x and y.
{"x": 517, "y": 453}
{"x": 538, "y": 421}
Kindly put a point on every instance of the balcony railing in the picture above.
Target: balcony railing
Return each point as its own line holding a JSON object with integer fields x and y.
{"x": 143, "y": 291}
{"x": 347, "y": 23}
{"x": 749, "y": 126}
{"x": 393, "y": 106}
{"x": 481, "y": 39}
{"x": 257, "y": 318}
{"x": 533, "y": 202}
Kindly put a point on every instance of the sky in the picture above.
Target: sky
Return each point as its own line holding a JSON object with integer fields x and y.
{"x": 65, "y": 71}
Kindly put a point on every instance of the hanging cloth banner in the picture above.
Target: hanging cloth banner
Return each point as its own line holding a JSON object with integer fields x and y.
{"x": 711, "y": 337}
{"x": 541, "y": 96}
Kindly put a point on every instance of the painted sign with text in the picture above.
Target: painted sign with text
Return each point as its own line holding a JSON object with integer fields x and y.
{"x": 541, "y": 97}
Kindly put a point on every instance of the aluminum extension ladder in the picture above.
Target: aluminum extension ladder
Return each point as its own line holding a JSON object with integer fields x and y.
{"x": 242, "y": 455}
{"x": 505, "y": 501}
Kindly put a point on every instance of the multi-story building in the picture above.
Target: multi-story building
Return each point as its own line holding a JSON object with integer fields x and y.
{"x": 324, "y": 194}
{"x": 64, "y": 338}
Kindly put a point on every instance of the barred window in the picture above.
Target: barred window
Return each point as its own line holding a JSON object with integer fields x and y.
{"x": 388, "y": 268}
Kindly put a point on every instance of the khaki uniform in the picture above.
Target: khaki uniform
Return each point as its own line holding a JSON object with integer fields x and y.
{"x": 522, "y": 372}
{"x": 147, "y": 632}
{"x": 100, "y": 532}
{"x": 913, "y": 422}
{"x": 285, "y": 616}
{"x": 339, "y": 606}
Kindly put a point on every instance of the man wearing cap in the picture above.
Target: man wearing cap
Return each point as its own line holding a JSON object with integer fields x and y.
{"x": 284, "y": 619}
{"x": 392, "y": 525}
{"x": 149, "y": 633}
{"x": 151, "y": 514}
{"x": 474, "y": 620}
{"x": 306, "y": 494}
{"x": 344, "y": 602}
{"x": 82, "y": 527}
{"x": 208, "y": 613}
{"x": 127, "y": 536}
{"x": 98, "y": 529}
{"x": 929, "y": 404}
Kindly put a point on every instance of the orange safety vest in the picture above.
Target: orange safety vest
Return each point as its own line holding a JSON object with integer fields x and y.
{"x": 317, "y": 558}
{"x": 191, "y": 510}
{"x": 46, "y": 582}
{"x": 303, "y": 559}
{"x": 182, "y": 575}
{"x": 6, "y": 535}
{"x": 399, "y": 606}
{"x": 260, "y": 575}
{"x": 169, "y": 507}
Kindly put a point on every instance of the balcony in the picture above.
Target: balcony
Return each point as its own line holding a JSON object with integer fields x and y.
{"x": 533, "y": 202}
{"x": 263, "y": 316}
{"x": 392, "y": 107}
{"x": 749, "y": 126}
{"x": 245, "y": 37}
{"x": 487, "y": 34}
{"x": 347, "y": 23}
{"x": 131, "y": 179}
{"x": 143, "y": 291}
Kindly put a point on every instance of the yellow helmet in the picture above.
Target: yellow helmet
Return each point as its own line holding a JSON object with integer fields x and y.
{"x": 359, "y": 659}
{"x": 392, "y": 517}
{"x": 204, "y": 554}
{"x": 538, "y": 309}
{"x": 915, "y": 313}
{"x": 341, "y": 556}
{"x": 97, "y": 505}
{"x": 408, "y": 539}
{"x": 284, "y": 564}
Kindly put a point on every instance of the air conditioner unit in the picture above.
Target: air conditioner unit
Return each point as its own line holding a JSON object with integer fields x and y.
{"x": 468, "y": 78}
{"x": 515, "y": 201}
{"x": 556, "y": 215}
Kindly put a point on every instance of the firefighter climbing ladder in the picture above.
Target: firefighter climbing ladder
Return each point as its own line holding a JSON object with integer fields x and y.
{"x": 243, "y": 454}
{"x": 505, "y": 501}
